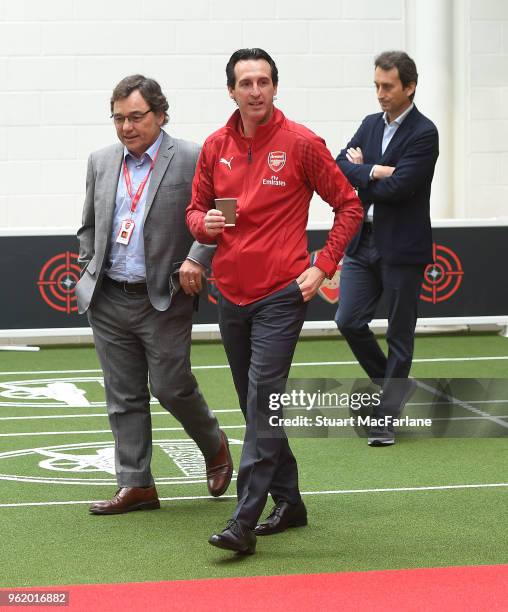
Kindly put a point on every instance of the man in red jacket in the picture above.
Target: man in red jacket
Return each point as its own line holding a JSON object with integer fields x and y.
{"x": 272, "y": 166}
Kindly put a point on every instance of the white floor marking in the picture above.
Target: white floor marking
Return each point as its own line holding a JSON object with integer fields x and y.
{"x": 97, "y": 431}
{"x": 231, "y": 410}
{"x": 331, "y": 492}
{"x": 462, "y": 404}
{"x": 481, "y": 416}
{"x": 92, "y": 414}
{"x": 293, "y": 365}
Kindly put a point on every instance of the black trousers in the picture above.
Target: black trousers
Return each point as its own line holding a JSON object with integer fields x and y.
{"x": 260, "y": 340}
{"x": 364, "y": 278}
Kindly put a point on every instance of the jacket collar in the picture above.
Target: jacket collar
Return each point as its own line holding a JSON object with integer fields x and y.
{"x": 406, "y": 126}
{"x": 263, "y": 132}
{"x": 166, "y": 153}
{"x": 400, "y": 119}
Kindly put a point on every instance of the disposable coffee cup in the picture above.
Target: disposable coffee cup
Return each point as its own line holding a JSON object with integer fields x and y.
{"x": 227, "y": 206}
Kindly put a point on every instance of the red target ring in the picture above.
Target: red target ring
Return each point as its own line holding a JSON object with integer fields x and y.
{"x": 443, "y": 277}
{"x": 213, "y": 292}
{"x": 57, "y": 281}
{"x": 329, "y": 289}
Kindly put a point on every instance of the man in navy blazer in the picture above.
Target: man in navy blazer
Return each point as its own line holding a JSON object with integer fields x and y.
{"x": 390, "y": 160}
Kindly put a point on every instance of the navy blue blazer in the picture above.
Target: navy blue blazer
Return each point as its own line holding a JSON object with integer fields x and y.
{"x": 402, "y": 230}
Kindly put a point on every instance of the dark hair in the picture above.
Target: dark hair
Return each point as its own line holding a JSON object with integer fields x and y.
{"x": 148, "y": 88}
{"x": 246, "y": 54}
{"x": 404, "y": 64}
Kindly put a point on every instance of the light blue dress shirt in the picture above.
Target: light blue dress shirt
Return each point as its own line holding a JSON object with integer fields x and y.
{"x": 388, "y": 134}
{"x": 391, "y": 128}
{"x": 127, "y": 261}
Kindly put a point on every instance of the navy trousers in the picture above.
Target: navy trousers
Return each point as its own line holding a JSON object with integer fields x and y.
{"x": 364, "y": 278}
{"x": 260, "y": 340}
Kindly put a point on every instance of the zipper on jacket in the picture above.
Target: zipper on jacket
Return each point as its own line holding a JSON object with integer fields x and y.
{"x": 246, "y": 189}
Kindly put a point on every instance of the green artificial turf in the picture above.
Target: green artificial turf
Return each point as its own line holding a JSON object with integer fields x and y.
{"x": 63, "y": 544}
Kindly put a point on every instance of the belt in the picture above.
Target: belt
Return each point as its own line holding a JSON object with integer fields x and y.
{"x": 368, "y": 228}
{"x": 133, "y": 288}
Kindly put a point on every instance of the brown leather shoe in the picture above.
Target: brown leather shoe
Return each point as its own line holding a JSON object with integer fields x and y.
{"x": 128, "y": 499}
{"x": 219, "y": 469}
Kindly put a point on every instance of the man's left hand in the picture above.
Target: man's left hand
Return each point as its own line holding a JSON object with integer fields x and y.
{"x": 309, "y": 282}
{"x": 191, "y": 277}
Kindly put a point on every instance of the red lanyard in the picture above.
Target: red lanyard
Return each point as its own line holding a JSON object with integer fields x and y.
{"x": 128, "y": 182}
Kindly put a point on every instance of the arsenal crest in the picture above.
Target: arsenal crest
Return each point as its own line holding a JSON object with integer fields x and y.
{"x": 276, "y": 160}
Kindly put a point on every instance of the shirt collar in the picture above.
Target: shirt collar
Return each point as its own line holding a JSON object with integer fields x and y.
{"x": 400, "y": 118}
{"x": 150, "y": 152}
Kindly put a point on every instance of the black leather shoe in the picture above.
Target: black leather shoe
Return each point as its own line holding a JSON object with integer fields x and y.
{"x": 385, "y": 436}
{"x": 284, "y": 515}
{"x": 381, "y": 436}
{"x": 236, "y": 538}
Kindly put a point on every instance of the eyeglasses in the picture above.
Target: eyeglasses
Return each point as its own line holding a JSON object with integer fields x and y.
{"x": 133, "y": 118}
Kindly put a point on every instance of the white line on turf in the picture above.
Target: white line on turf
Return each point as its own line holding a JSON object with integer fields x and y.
{"x": 74, "y": 416}
{"x": 97, "y": 431}
{"x": 228, "y": 410}
{"x": 462, "y": 404}
{"x": 293, "y": 365}
{"x": 92, "y": 414}
{"x": 331, "y": 492}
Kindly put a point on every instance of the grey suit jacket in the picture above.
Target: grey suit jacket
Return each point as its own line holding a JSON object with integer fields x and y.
{"x": 167, "y": 240}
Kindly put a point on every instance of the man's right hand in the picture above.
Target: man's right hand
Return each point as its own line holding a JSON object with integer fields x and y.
{"x": 381, "y": 172}
{"x": 355, "y": 155}
{"x": 214, "y": 222}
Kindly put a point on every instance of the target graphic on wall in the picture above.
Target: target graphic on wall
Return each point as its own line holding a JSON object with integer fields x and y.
{"x": 443, "y": 277}
{"x": 213, "y": 292}
{"x": 329, "y": 289}
{"x": 57, "y": 280}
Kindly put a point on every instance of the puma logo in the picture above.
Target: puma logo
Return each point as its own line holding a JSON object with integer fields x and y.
{"x": 226, "y": 162}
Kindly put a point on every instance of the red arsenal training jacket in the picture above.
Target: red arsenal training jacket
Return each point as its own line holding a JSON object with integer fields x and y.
{"x": 273, "y": 176}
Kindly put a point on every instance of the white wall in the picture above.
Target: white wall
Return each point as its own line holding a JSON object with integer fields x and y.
{"x": 59, "y": 60}
{"x": 487, "y": 149}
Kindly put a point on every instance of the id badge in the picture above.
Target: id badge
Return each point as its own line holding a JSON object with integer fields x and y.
{"x": 125, "y": 233}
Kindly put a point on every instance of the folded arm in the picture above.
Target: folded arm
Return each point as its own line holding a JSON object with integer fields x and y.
{"x": 412, "y": 170}
{"x": 351, "y": 163}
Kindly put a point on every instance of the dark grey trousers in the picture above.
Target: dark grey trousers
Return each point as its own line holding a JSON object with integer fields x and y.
{"x": 136, "y": 343}
{"x": 364, "y": 278}
{"x": 260, "y": 340}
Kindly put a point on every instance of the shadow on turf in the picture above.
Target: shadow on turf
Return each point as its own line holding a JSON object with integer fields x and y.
{"x": 232, "y": 559}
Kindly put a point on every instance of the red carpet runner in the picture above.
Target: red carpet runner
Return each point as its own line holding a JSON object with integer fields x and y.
{"x": 464, "y": 589}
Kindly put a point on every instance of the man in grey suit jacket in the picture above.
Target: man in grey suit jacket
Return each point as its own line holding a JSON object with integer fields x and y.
{"x": 141, "y": 274}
